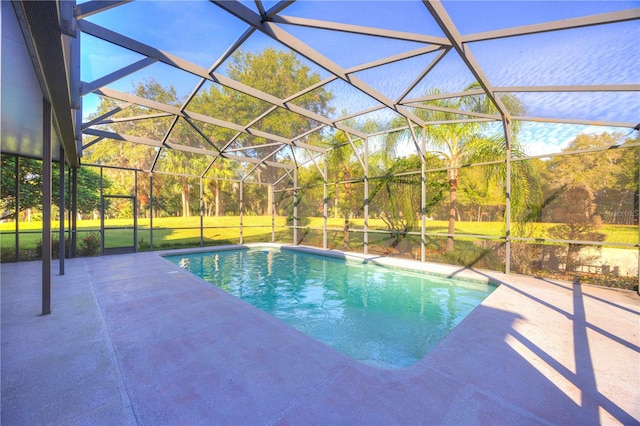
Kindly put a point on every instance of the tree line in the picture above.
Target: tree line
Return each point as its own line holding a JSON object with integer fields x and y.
{"x": 543, "y": 190}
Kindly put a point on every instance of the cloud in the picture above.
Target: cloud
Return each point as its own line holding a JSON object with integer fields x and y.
{"x": 549, "y": 138}
{"x": 597, "y": 55}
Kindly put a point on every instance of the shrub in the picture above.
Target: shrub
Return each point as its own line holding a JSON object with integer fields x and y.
{"x": 477, "y": 254}
{"x": 89, "y": 245}
{"x": 143, "y": 245}
{"x": 7, "y": 254}
{"x": 55, "y": 247}
{"x": 579, "y": 224}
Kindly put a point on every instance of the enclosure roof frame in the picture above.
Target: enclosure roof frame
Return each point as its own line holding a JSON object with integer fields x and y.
{"x": 52, "y": 30}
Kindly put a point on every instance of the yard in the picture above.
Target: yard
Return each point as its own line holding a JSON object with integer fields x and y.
{"x": 171, "y": 232}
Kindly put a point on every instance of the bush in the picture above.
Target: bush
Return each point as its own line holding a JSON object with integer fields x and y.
{"x": 143, "y": 245}
{"x": 7, "y": 254}
{"x": 579, "y": 224}
{"x": 55, "y": 247}
{"x": 477, "y": 254}
{"x": 89, "y": 245}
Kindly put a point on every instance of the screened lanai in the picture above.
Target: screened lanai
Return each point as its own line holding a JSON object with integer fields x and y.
{"x": 499, "y": 135}
{"x": 468, "y": 144}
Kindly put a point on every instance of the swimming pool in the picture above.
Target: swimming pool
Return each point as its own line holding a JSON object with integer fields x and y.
{"x": 381, "y": 316}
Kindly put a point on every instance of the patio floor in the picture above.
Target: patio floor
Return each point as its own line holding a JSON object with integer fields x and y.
{"x": 133, "y": 339}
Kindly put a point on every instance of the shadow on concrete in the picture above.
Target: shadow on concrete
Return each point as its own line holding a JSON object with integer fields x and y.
{"x": 587, "y": 403}
{"x": 133, "y": 340}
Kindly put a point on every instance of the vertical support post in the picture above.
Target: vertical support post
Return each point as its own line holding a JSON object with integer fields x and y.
{"x": 366, "y": 196}
{"x": 69, "y": 20}
{"x": 150, "y": 211}
{"x": 273, "y": 213}
{"x": 295, "y": 206}
{"x": 46, "y": 207}
{"x": 325, "y": 205}
{"x": 74, "y": 183}
{"x": 61, "y": 243}
{"x": 241, "y": 210}
{"x": 507, "y": 213}
{"x": 78, "y": 128}
{"x": 74, "y": 210}
{"x": 201, "y": 213}
{"x": 101, "y": 213}
{"x": 636, "y": 213}
{"x": 68, "y": 209}
{"x": 423, "y": 196}
{"x": 135, "y": 211}
{"x": 17, "y": 217}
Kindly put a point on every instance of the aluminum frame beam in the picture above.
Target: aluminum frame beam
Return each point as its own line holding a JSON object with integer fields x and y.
{"x": 359, "y": 29}
{"x": 268, "y": 28}
{"x": 576, "y": 121}
{"x": 92, "y": 7}
{"x": 174, "y": 61}
{"x": 576, "y": 88}
{"x": 443, "y": 19}
{"x": 184, "y": 148}
{"x": 114, "y": 94}
{"x": 564, "y": 24}
{"x": 104, "y": 116}
{"x": 86, "y": 88}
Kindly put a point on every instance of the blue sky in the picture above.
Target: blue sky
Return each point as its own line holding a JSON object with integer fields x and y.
{"x": 200, "y": 32}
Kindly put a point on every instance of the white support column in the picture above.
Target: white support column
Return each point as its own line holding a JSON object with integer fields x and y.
{"x": 325, "y": 205}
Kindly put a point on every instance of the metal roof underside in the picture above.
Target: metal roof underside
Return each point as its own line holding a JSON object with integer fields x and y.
{"x": 50, "y": 52}
{"x": 380, "y": 59}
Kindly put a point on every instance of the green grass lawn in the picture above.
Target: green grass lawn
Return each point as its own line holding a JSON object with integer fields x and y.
{"x": 627, "y": 234}
{"x": 178, "y": 231}
{"x": 167, "y": 232}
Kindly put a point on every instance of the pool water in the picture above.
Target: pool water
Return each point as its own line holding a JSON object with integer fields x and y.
{"x": 381, "y": 316}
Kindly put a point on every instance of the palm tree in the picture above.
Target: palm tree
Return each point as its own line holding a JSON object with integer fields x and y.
{"x": 340, "y": 165}
{"x": 458, "y": 143}
{"x": 343, "y": 165}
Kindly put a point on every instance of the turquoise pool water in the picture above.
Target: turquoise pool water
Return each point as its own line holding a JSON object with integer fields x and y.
{"x": 385, "y": 317}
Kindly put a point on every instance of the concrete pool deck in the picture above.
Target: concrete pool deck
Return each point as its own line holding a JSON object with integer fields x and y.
{"x": 133, "y": 339}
